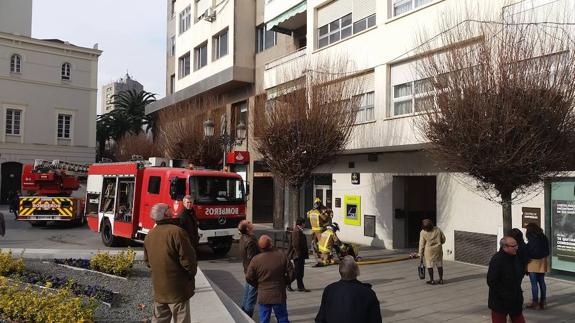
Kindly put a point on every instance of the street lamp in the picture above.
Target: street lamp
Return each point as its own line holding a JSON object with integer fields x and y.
{"x": 225, "y": 140}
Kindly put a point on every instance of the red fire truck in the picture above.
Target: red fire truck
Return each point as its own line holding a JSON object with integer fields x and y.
{"x": 119, "y": 197}
{"x": 48, "y": 188}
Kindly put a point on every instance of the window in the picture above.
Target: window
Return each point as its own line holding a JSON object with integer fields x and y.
{"x": 172, "y": 8}
{"x": 173, "y": 46}
{"x": 364, "y": 24}
{"x": 402, "y": 6}
{"x": 265, "y": 38}
{"x": 220, "y": 45}
{"x": 217, "y": 190}
{"x": 185, "y": 19}
{"x": 154, "y": 184}
{"x": 201, "y": 56}
{"x": 13, "y": 119}
{"x": 411, "y": 96}
{"x": 172, "y": 83}
{"x": 365, "y": 110}
{"x": 334, "y": 31}
{"x": 64, "y": 126}
{"x": 184, "y": 65}
{"x": 15, "y": 63}
{"x": 66, "y": 71}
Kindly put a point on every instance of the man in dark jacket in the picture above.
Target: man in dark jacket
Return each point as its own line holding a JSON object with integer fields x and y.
{"x": 172, "y": 260}
{"x": 504, "y": 280}
{"x": 269, "y": 272}
{"x": 189, "y": 222}
{"x": 298, "y": 252}
{"x": 348, "y": 300}
{"x": 248, "y": 250}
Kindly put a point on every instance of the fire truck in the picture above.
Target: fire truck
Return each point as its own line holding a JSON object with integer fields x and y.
{"x": 119, "y": 197}
{"x": 48, "y": 187}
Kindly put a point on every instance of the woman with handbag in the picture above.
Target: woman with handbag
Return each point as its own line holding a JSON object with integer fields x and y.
{"x": 431, "y": 241}
{"x": 538, "y": 263}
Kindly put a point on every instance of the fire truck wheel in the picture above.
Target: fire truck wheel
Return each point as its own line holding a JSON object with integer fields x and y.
{"x": 108, "y": 237}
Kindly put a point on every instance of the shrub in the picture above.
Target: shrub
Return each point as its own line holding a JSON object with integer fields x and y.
{"x": 31, "y": 305}
{"x": 9, "y": 265}
{"x": 119, "y": 264}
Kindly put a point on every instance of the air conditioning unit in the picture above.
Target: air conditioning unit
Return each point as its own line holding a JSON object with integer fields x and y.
{"x": 209, "y": 14}
{"x": 159, "y": 162}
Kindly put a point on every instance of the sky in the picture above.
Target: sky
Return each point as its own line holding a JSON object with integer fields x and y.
{"x": 131, "y": 34}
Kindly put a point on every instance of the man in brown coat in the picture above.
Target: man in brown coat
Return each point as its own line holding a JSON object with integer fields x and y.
{"x": 189, "y": 222}
{"x": 248, "y": 250}
{"x": 298, "y": 252}
{"x": 169, "y": 254}
{"x": 270, "y": 272}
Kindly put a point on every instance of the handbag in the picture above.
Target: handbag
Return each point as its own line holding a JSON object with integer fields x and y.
{"x": 421, "y": 270}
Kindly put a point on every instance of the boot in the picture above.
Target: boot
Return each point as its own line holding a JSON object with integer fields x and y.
{"x": 533, "y": 306}
{"x": 288, "y": 287}
{"x": 542, "y": 304}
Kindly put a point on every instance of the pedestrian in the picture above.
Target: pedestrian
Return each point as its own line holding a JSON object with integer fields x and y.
{"x": 538, "y": 255}
{"x": 298, "y": 252}
{"x": 189, "y": 222}
{"x": 169, "y": 254}
{"x": 2, "y": 225}
{"x": 521, "y": 248}
{"x": 248, "y": 250}
{"x": 504, "y": 280}
{"x": 15, "y": 203}
{"x": 270, "y": 272}
{"x": 348, "y": 300}
{"x": 431, "y": 241}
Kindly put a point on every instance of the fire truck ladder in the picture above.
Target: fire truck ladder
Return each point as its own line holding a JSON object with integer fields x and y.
{"x": 74, "y": 169}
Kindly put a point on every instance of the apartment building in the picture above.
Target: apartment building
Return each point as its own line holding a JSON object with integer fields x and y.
{"x": 126, "y": 83}
{"x": 385, "y": 183}
{"x": 47, "y": 97}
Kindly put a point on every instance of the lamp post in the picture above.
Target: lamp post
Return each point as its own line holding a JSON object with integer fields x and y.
{"x": 226, "y": 140}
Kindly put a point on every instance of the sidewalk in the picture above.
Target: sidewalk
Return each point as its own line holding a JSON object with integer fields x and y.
{"x": 403, "y": 297}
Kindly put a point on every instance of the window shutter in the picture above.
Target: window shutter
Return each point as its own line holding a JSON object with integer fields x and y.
{"x": 362, "y": 9}
{"x": 332, "y": 11}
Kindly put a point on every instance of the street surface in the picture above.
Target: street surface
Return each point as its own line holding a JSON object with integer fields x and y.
{"x": 403, "y": 297}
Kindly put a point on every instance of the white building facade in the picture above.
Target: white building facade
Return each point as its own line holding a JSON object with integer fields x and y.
{"x": 47, "y": 99}
{"x": 385, "y": 183}
{"x": 126, "y": 83}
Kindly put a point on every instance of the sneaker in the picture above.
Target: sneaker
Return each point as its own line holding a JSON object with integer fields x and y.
{"x": 430, "y": 282}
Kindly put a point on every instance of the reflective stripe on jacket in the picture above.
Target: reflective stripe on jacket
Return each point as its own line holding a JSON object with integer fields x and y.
{"x": 313, "y": 216}
{"x": 326, "y": 241}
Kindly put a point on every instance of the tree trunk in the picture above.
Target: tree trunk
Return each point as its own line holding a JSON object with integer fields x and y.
{"x": 294, "y": 196}
{"x": 506, "y": 206}
{"x": 278, "y": 217}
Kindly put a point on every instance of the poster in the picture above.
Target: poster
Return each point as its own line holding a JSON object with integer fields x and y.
{"x": 563, "y": 214}
{"x": 352, "y": 209}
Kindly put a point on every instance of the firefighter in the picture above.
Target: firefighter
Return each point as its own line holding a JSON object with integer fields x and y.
{"x": 328, "y": 241}
{"x": 314, "y": 219}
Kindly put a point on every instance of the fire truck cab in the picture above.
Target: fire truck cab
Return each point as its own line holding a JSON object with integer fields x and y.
{"x": 120, "y": 196}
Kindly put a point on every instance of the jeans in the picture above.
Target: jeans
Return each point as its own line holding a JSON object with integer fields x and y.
{"x": 280, "y": 310}
{"x": 538, "y": 282}
{"x": 250, "y": 296}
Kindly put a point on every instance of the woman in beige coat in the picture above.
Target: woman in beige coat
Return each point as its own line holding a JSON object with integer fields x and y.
{"x": 431, "y": 240}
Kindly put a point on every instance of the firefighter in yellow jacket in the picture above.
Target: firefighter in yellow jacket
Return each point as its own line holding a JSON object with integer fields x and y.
{"x": 319, "y": 217}
{"x": 328, "y": 241}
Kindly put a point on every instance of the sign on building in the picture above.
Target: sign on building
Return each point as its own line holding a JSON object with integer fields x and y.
{"x": 530, "y": 215}
{"x": 352, "y": 209}
{"x": 355, "y": 179}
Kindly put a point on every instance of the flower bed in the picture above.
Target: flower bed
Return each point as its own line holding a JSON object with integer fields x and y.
{"x": 119, "y": 264}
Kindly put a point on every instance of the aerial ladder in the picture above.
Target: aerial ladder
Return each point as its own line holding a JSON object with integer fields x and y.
{"x": 47, "y": 188}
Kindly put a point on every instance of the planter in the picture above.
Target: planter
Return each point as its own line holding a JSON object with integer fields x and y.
{"x": 83, "y": 265}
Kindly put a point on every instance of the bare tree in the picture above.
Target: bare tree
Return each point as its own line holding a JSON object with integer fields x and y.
{"x": 134, "y": 145}
{"x": 308, "y": 121}
{"x": 499, "y": 97}
{"x": 180, "y": 133}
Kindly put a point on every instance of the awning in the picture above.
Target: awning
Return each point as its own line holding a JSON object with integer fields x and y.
{"x": 283, "y": 21}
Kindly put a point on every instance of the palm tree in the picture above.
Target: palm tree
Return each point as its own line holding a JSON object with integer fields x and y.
{"x": 131, "y": 105}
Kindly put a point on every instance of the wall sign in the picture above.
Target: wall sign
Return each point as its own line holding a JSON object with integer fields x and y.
{"x": 355, "y": 178}
{"x": 338, "y": 202}
{"x": 530, "y": 215}
{"x": 352, "y": 208}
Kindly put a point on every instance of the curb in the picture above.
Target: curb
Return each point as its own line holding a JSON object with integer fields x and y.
{"x": 63, "y": 253}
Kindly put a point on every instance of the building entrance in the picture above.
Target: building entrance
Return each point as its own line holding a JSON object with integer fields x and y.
{"x": 414, "y": 199}
{"x": 263, "y": 200}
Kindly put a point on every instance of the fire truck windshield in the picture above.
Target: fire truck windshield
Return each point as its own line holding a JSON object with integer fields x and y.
{"x": 217, "y": 190}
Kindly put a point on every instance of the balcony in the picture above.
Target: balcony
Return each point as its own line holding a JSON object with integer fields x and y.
{"x": 285, "y": 16}
{"x": 285, "y": 69}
